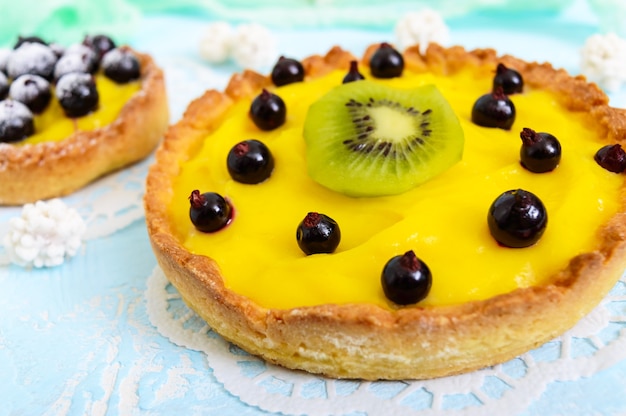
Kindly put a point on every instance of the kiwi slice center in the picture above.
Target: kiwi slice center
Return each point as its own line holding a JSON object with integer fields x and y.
{"x": 368, "y": 139}
{"x": 386, "y": 126}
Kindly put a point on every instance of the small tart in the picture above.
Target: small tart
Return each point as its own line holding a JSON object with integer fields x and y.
{"x": 367, "y": 340}
{"x": 47, "y": 169}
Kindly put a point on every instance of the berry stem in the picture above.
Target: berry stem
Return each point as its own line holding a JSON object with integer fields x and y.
{"x": 311, "y": 219}
{"x": 522, "y": 198}
{"x": 498, "y": 93}
{"x": 196, "y": 199}
{"x": 529, "y": 136}
{"x": 501, "y": 69}
{"x": 409, "y": 261}
{"x": 265, "y": 95}
{"x": 241, "y": 149}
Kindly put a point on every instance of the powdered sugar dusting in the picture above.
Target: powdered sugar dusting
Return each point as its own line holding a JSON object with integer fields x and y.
{"x": 71, "y": 63}
{"x": 88, "y": 55}
{"x": 79, "y": 49}
{"x": 68, "y": 83}
{"x": 112, "y": 57}
{"x": 26, "y": 87}
{"x": 31, "y": 58}
{"x": 10, "y": 108}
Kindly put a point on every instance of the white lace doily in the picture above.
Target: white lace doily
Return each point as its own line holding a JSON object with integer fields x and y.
{"x": 596, "y": 343}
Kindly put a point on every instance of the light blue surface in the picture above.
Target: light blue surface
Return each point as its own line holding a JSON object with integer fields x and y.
{"x": 73, "y": 338}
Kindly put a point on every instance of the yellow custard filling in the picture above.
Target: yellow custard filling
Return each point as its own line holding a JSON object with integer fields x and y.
{"x": 53, "y": 125}
{"x": 444, "y": 220}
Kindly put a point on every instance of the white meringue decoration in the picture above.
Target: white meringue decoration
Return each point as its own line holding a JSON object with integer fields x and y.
{"x": 603, "y": 61}
{"x": 254, "y": 46}
{"x": 421, "y": 28}
{"x": 44, "y": 234}
{"x": 216, "y": 42}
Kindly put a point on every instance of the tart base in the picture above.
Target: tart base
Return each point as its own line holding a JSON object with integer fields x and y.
{"x": 34, "y": 172}
{"x": 366, "y": 341}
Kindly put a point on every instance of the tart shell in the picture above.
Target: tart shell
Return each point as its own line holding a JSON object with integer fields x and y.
{"x": 366, "y": 341}
{"x": 45, "y": 170}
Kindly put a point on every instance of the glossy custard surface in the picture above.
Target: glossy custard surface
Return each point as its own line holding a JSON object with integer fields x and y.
{"x": 444, "y": 220}
{"x": 53, "y": 125}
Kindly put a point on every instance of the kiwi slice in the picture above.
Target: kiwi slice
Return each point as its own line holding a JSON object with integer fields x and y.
{"x": 367, "y": 139}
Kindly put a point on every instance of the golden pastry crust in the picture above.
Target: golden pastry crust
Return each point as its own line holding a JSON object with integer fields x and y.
{"x": 45, "y": 170}
{"x": 366, "y": 341}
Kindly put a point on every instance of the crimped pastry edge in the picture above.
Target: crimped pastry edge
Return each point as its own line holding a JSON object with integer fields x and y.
{"x": 366, "y": 341}
{"x": 32, "y": 172}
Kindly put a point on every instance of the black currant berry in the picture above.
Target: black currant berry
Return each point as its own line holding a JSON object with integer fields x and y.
{"x": 517, "y": 219}
{"x": 88, "y": 56}
{"x": 16, "y": 121}
{"x": 406, "y": 279}
{"x": 31, "y": 90}
{"x": 353, "y": 73}
{"x": 287, "y": 71}
{"x": 121, "y": 65}
{"x": 508, "y": 79}
{"x": 80, "y": 59}
{"x": 209, "y": 212}
{"x": 5, "y": 55}
{"x": 32, "y": 58}
{"x": 540, "y": 152}
{"x": 250, "y": 162}
{"x": 612, "y": 158}
{"x": 386, "y": 62}
{"x": 28, "y": 39}
{"x": 57, "y": 48}
{"x": 4, "y": 86}
{"x": 100, "y": 44}
{"x": 494, "y": 110}
{"x": 268, "y": 111}
{"x": 77, "y": 94}
{"x": 318, "y": 233}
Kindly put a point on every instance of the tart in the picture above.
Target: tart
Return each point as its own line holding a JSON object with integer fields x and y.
{"x": 327, "y": 313}
{"x": 66, "y": 153}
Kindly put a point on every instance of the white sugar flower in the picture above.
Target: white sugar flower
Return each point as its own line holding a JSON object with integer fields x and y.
{"x": 421, "y": 28}
{"x": 216, "y": 42}
{"x": 254, "y": 46}
{"x": 44, "y": 234}
{"x": 603, "y": 60}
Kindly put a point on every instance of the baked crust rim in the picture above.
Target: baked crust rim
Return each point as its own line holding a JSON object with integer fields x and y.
{"x": 32, "y": 172}
{"x": 366, "y": 341}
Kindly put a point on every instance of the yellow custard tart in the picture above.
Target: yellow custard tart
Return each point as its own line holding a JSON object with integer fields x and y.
{"x": 329, "y": 312}
{"x": 63, "y": 150}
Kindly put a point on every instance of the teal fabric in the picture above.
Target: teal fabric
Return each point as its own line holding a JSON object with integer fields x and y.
{"x": 68, "y": 20}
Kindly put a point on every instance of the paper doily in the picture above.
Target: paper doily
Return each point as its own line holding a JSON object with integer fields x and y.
{"x": 596, "y": 343}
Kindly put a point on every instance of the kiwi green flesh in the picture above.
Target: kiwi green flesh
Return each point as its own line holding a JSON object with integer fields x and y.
{"x": 367, "y": 139}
